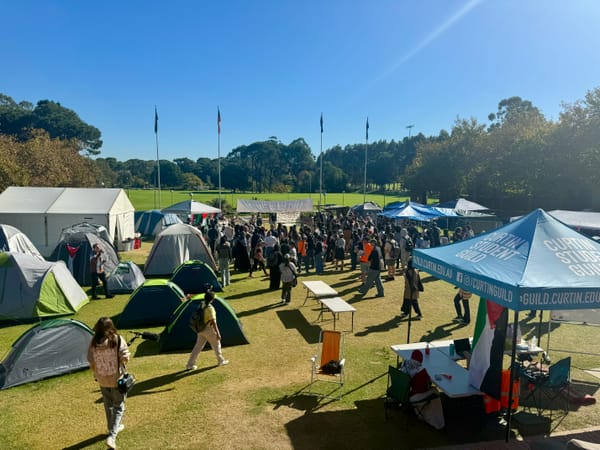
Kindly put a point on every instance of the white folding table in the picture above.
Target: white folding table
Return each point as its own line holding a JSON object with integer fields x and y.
{"x": 336, "y": 305}
{"x": 318, "y": 289}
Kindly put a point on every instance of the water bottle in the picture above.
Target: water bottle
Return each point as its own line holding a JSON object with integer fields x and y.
{"x": 427, "y": 350}
{"x": 452, "y": 349}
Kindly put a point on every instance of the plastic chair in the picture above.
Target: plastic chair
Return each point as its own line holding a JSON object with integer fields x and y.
{"x": 547, "y": 388}
{"x": 329, "y": 356}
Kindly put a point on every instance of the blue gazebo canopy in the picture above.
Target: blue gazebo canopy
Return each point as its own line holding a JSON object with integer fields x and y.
{"x": 535, "y": 262}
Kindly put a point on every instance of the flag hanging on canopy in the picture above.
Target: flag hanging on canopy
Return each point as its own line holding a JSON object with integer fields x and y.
{"x": 321, "y": 123}
{"x": 155, "y": 121}
{"x": 218, "y": 120}
{"x": 485, "y": 367}
{"x": 367, "y": 130}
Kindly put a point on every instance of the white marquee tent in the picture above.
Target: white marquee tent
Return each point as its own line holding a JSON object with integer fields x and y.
{"x": 42, "y": 212}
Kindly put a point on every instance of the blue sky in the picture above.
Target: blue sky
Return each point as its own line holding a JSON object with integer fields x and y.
{"x": 273, "y": 66}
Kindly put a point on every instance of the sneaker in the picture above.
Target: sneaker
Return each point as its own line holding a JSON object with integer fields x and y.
{"x": 120, "y": 428}
{"x": 418, "y": 317}
{"x": 191, "y": 367}
{"x": 224, "y": 362}
{"x": 403, "y": 315}
{"x": 110, "y": 296}
{"x": 457, "y": 319}
{"x": 110, "y": 442}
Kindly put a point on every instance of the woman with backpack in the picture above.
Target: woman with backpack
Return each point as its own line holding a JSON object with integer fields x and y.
{"x": 289, "y": 275}
{"x": 107, "y": 354}
{"x": 205, "y": 325}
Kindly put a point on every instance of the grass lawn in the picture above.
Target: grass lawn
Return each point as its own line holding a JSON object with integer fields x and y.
{"x": 144, "y": 199}
{"x": 257, "y": 401}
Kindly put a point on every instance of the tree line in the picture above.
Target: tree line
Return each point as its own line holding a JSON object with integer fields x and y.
{"x": 516, "y": 161}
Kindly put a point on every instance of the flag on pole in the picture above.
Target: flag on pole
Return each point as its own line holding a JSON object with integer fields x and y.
{"x": 155, "y": 120}
{"x": 219, "y": 120}
{"x": 367, "y": 131}
{"x": 321, "y": 123}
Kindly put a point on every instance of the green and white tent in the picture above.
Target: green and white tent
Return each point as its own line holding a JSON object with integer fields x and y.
{"x": 31, "y": 288}
{"x": 52, "y": 348}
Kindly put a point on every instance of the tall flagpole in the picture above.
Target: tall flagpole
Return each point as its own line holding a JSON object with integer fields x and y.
{"x": 321, "y": 175}
{"x": 157, "y": 159}
{"x": 219, "y": 150}
{"x": 366, "y": 148}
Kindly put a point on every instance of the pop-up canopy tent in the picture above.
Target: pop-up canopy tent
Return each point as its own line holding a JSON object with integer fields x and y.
{"x": 175, "y": 245}
{"x": 193, "y": 277}
{"x": 188, "y": 208}
{"x": 32, "y": 289}
{"x": 367, "y": 208}
{"x": 14, "y": 240}
{"x": 178, "y": 335}
{"x": 151, "y": 223}
{"x": 535, "y": 262}
{"x": 461, "y": 204}
{"x": 43, "y": 212}
{"x": 414, "y": 211}
{"x": 52, "y": 348}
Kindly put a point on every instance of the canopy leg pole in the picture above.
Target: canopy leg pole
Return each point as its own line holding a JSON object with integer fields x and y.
{"x": 513, "y": 354}
{"x": 409, "y": 323}
{"x": 539, "y": 333}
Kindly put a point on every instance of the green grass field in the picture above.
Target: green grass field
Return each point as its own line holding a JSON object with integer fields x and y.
{"x": 259, "y": 400}
{"x": 149, "y": 199}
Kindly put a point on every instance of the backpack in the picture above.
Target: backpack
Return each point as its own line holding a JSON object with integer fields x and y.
{"x": 408, "y": 244}
{"x": 197, "y": 320}
{"x": 395, "y": 249}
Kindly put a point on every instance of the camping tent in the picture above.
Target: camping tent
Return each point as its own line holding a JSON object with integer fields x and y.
{"x": 178, "y": 335}
{"x": 193, "y": 276}
{"x": 175, "y": 245}
{"x": 126, "y": 277}
{"x": 43, "y": 212}
{"x": 14, "y": 240}
{"x": 54, "y": 347}
{"x": 85, "y": 227}
{"x": 30, "y": 288}
{"x": 461, "y": 204}
{"x": 151, "y": 223}
{"x": 76, "y": 251}
{"x": 535, "y": 262}
{"x": 151, "y": 304}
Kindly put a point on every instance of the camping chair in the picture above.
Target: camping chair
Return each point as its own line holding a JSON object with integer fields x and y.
{"x": 329, "y": 367}
{"x": 397, "y": 394}
{"x": 548, "y": 388}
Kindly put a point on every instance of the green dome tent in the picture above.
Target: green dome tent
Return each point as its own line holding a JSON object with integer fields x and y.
{"x": 31, "y": 288}
{"x": 52, "y": 348}
{"x": 151, "y": 304}
{"x": 193, "y": 276}
{"x": 178, "y": 335}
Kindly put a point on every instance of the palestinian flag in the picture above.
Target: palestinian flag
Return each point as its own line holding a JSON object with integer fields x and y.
{"x": 485, "y": 368}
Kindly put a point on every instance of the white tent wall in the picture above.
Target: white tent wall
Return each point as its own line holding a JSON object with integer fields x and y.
{"x": 42, "y": 213}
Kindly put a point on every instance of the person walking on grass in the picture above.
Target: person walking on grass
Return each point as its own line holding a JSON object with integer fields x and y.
{"x": 107, "y": 354}
{"x": 209, "y": 333}
{"x": 289, "y": 275}
{"x": 464, "y": 296}
{"x": 412, "y": 288}
{"x": 374, "y": 271}
{"x": 224, "y": 254}
{"x": 97, "y": 262}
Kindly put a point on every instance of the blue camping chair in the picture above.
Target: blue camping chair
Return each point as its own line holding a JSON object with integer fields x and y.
{"x": 549, "y": 391}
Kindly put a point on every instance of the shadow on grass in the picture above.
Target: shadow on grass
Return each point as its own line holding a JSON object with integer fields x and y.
{"x": 86, "y": 443}
{"x": 295, "y": 319}
{"x": 248, "y": 294}
{"x": 258, "y": 310}
{"x": 394, "y": 322}
{"x": 441, "y": 332}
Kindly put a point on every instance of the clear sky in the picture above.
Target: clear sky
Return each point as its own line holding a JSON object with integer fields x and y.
{"x": 273, "y": 66}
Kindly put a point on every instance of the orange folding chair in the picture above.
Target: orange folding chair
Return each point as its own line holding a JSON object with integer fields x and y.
{"x": 328, "y": 365}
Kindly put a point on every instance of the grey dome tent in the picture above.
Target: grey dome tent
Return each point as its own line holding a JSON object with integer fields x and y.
{"x": 52, "y": 348}
{"x": 75, "y": 250}
{"x": 151, "y": 304}
{"x": 85, "y": 227}
{"x": 30, "y": 288}
{"x": 175, "y": 245}
{"x": 14, "y": 240}
{"x": 178, "y": 335}
{"x": 152, "y": 222}
{"x": 125, "y": 278}
{"x": 194, "y": 276}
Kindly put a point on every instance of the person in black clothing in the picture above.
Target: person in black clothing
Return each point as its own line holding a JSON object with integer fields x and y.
{"x": 273, "y": 262}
